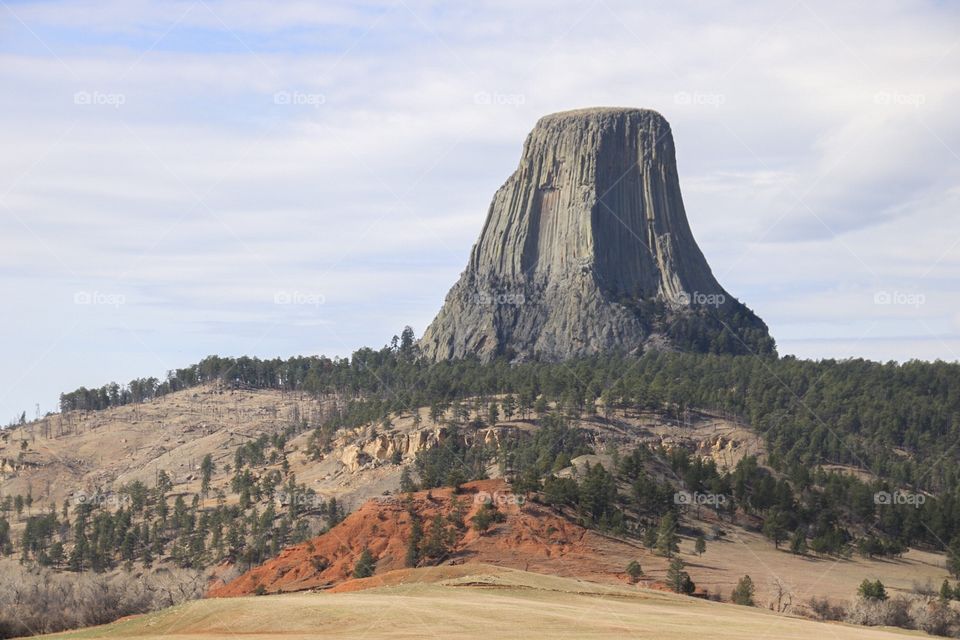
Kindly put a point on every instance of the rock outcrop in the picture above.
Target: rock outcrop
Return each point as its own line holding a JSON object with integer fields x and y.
{"x": 384, "y": 447}
{"x": 586, "y": 248}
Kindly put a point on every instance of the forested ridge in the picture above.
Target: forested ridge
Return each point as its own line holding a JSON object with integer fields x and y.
{"x": 898, "y": 421}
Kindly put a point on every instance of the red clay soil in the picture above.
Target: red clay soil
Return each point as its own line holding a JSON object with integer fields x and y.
{"x": 532, "y": 537}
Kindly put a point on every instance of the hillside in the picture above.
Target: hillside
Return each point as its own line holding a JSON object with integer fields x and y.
{"x": 531, "y": 537}
{"x": 230, "y": 479}
{"x": 534, "y": 537}
{"x": 90, "y": 451}
{"x": 77, "y": 455}
{"x": 473, "y": 601}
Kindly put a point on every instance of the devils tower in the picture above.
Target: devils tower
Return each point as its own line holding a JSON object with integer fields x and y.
{"x": 586, "y": 249}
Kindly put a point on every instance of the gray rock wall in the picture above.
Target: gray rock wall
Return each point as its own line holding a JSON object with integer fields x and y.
{"x": 589, "y": 225}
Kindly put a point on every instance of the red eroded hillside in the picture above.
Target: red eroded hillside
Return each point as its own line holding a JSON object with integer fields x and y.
{"x": 531, "y": 537}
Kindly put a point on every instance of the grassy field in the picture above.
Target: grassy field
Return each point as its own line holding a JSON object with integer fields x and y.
{"x": 474, "y": 601}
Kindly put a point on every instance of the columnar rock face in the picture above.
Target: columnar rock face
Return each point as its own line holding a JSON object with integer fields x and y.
{"x": 586, "y": 248}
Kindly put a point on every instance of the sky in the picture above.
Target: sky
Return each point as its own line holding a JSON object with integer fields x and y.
{"x": 269, "y": 178}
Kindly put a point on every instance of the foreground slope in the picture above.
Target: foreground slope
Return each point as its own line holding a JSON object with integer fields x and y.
{"x": 472, "y": 601}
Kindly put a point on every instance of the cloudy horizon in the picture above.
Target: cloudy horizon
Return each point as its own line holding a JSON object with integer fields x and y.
{"x": 191, "y": 178}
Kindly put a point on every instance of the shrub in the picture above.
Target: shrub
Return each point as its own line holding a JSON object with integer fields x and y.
{"x": 484, "y": 518}
{"x": 823, "y": 609}
{"x": 895, "y": 612}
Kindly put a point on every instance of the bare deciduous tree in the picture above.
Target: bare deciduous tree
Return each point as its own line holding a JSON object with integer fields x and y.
{"x": 781, "y": 596}
{"x": 35, "y": 601}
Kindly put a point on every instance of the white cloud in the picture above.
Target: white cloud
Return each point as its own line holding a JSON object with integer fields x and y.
{"x": 372, "y": 188}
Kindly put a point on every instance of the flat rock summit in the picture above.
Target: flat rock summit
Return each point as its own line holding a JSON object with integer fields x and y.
{"x": 586, "y": 249}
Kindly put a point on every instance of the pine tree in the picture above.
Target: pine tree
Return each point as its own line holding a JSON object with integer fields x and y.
{"x": 677, "y": 579}
{"x": 56, "y": 554}
{"x": 457, "y": 509}
{"x": 743, "y": 592}
{"x": 493, "y": 414}
{"x": 412, "y": 558}
{"x": 366, "y": 565}
{"x": 946, "y": 591}
{"x": 668, "y": 542}
{"x": 438, "y": 540}
{"x": 872, "y": 590}
{"x": 634, "y": 571}
{"x": 598, "y": 493}
{"x": 407, "y": 485}
{"x": 206, "y": 472}
{"x": 700, "y": 545}
{"x": 773, "y": 528}
{"x": 798, "y": 543}
{"x": 483, "y": 518}
{"x": 953, "y": 557}
{"x": 649, "y": 537}
{"x": 509, "y": 406}
{"x": 540, "y": 406}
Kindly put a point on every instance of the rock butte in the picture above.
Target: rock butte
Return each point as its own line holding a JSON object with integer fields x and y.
{"x": 590, "y": 225}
